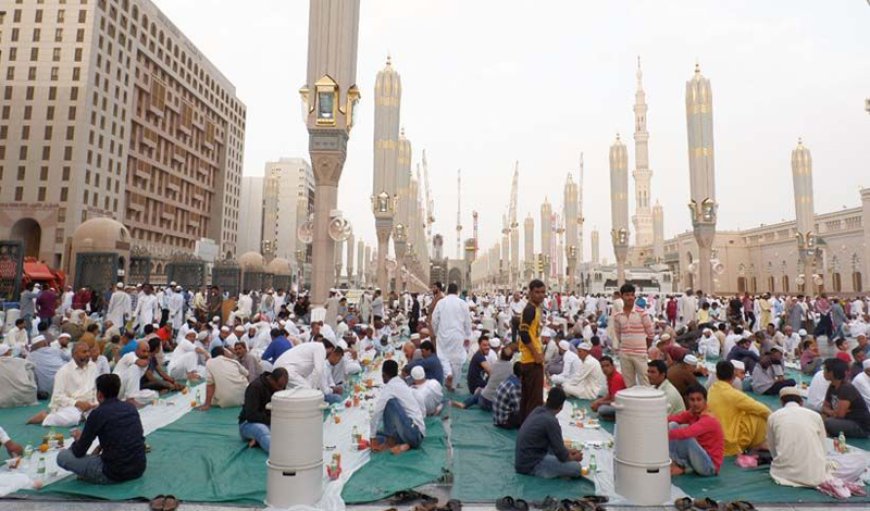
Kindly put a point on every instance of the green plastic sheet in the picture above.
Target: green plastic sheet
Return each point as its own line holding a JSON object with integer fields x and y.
{"x": 385, "y": 473}
{"x": 13, "y": 420}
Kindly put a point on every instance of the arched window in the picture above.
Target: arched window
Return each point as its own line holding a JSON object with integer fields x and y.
{"x": 785, "y": 283}
{"x": 857, "y": 285}
{"x": 836, "y": 282}
{"x": 771, "y": 284}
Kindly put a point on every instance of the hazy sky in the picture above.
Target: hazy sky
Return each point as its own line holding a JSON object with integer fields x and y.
{"x": 486, "y": 83}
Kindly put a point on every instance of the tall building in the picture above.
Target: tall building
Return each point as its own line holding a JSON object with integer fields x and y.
{"x": 288, "y": 198}
{"x": 250, "y": 234}
{"x": 643, "y": 219}
{"x": 109, "y": 110}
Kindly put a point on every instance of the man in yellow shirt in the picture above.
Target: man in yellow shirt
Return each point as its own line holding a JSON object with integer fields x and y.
{"x": 531, "y": 351}
{"x": 743, "y": 419}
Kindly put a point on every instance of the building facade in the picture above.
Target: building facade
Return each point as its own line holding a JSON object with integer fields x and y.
{"x": 250, "y": 236}
{"x": 110, "y": 111}
{"x": 288, "y": 199}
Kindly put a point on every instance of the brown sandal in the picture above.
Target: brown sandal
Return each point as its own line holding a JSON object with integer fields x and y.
{"x": 170, "y": 503}
{"x": 156, "y": 503}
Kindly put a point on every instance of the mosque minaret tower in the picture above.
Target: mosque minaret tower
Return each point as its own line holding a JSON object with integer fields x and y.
{"x": 643, "y": 218}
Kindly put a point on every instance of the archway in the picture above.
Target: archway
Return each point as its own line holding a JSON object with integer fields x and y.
{"x": 28, "y": 231}
{"x": 857, "y": 285}
{"x": 836, "y": 282}
{"x": 454, "y": 276}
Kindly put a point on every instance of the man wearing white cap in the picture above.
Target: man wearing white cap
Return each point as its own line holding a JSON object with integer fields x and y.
{"x": 74, "y": 391}
{"x": 244, "y": 305}
{"x": 452, "y": 322}
{"x": 708, "y": 345}
{"x": 130, "y": 369}
{"x": 185, "y": 359}
{"x": 147, "y": 308}
{"x": 119, "y": 306}
{"x": 17, "y": 338}
{"x": 768, "y": 375}
{"x": 428, "y": 393}
{"x": 581, "y": 375}
{"x": 175, "y": 302}
{"x": 47, "y": 361}
{"x": 17, "y": 379}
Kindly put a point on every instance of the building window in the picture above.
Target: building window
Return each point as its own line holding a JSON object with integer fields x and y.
{"x": 34, "y": 54}
{"x": 65, "y": 174}
{"x": 55, "y": 71}
{"x": 19, "y": 193}
{"x": 60, "y": 15}
{"x": 21, "y": 173}
{"x": 36, "y": 35}
{"x": 43, "y": 173}
{"x": 58, "y": 35}
{"x": 63, "y": 194}
{"x": 55, "y": 55}
{"x": 10, "y": 73}
{"x": 40, "y": 194}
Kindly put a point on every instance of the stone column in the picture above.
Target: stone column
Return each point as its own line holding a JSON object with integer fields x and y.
{"x": 619, "y": 206}
{"x": 594, "y": 240}
{"x": 865, "y": 217}
{"x": 327, "y": 167}
{"x": 658, "y": 233}
{"x": 529, "y": 252}
{"x": 571, "y": 240}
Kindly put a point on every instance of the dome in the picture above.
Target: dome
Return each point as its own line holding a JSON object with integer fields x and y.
{"x": 251, "y": 261}
{"x": 279, "y": 266}
{"x": 99, "y": 234}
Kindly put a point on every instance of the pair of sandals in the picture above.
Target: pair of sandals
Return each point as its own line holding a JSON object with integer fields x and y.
{"x": 687, "y": 504}
{"x": 427, "y": 502}
{"x": 164, "y": 503}
{"x": 586, "y": 503}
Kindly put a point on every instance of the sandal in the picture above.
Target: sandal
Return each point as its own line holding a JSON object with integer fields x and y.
{"x": 598, "y": 499}
{"x": 684, "y": 504}
{"x": 505, "y": 503}
{"x": 405, "y": 496}
{"x": 706, "y": 503}
{"x": 741, "y": 505}
{"x": 156, "y": 503}
{"x": 519, "y": 505}
{"x": 170, "y": 503}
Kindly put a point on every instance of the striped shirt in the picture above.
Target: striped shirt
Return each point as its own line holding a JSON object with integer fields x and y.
{"x": 632, "y": 330}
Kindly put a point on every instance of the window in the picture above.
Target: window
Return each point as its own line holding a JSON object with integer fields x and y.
{"x": 19, "y": 193}
{"x": 49, "y": 113}
{"x": 34, "y": 54}
{"x": 40, "y": 194}
{"x": 67, "y": 153}
{"x": 82, "y": 15}
{"x": 14, "y": 35}
{"x": 13, "y": 54}
{"x": 16, "y": 16}
{"x": 48, "y": 133}
{"x": 31, "y": 73}
{"x": 64, "y": 194}
{"x": 80, "y": 35}
{"x": 46, "y": 153}
{"x": 60, "y": 15}
{"x": 70, "y": 132}
{"x": 55, "y": 71}
{"x": 21, "y": 173}
{"x": 28, "y": 94}
{"x": 43, "y": 173}
{"x": 36, "y": 34}
{"x": 72, "y": 113}
{"x": 78, "y": 55}
{"x": 65, "y": 174}
{"x": 76, "y": 74}
{"x": 52, "y": 93}
{"x": 38, "y": 16}
{"x": 58, "y": 35}
{"x": 55, "y": 55}
{"x": 10, "y": 73}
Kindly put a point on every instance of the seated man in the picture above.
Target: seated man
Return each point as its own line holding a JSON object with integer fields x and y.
{"x": 155, "y": 378}
{"x": 682, "y": 374}
{"x": 17, "y": 337}
{"x": 429, "y": 362}
{"x": 695, "y": 438}
{"x": 584, "y": 379}
{"x": 861, "y": 381}
{"x": 255, "y": 419}
{"x": 506, "y": 406}
{"x": 742, "y": 351}
{"x": 74, "y": 391}
{"x": 12, "y": 448}
{"x": 248, "y": 360}
{"x": 810, "y": 359}
{"x": 17, "y": 380}
{"x": 540, "y": 449}
{"x": 428, "y": 393}
{"x": 225, "y": 380}
{"x": 277, "y": 347}
{"x": 844, "y": 410}
{"x": 796, "y": 438}
{"x": 130, "y": 369}
{"x": 708, "y": 345}
{"x": 398, "y": 411}
{"x": 657, "y": 373}
{"x": 47, "y": 360}
{"x": 768, "y": 377}
{"x": 615, "y": 383}
{"x": 184, "y": 364}
{"x": 743, "y": 419}
{"x": 502, "y": 369}
{"x": 121, "y": 453}
{"x": 479, "y": 367}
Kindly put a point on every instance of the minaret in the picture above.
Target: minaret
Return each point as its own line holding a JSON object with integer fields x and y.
{"x": 594, "y": 242}
{"x": 360, "y": 262}
{"x": 546, "y": 236}
{"x": 702, "y": 175}
{"x": 619, "y": 232}
{"x": 402, "y": 225}
{"x": 388, "y": 99}
{"x": 515, "y": 230}
{"x": 529, "y": 252}
{"x": 580, "y": 218}
{"x": 570, "y": 214}
{"x": 802, "y": 174}
{"x": 643, "y": 221}
{"x": 351, "y": 246}
{"x": 658, "y": 233}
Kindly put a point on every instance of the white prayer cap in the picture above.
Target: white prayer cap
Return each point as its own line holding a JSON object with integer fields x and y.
{"x": 862, "y": 334}
{"x": 789, "y": 391}
{"x": 418, "y": 373}
{"x": 173, "y": 284}
{"x": 737, "y": 365}
{"x": 493, "y": 343}
{"x": 866, "y": 363}
{"x": 777, "y": 348}
{"x": 665, "y": 337}
{"x": 342, "y": 344}
{"x": 328, "y": 333}
{"x": 216, "y": 319}
{"x": 318, "y": 314}
{"x": 416, "y": 337}
{"x": 706, "y": 330}
{"x": 564, "y": 345}
{"x": 239, "y": 328}
{"x": 4, "y": 349}
{"x": 225, "y": 328}
{"x": 119, "y": 285}
{"x": 585, "y": 346}
{"x": 40, "y": 337}
{"x": 547, "y": 332}
{"x": 802, "y": 332}
{"x": 178, "y": 288}
{"x": 692, "y": 360}
{"x": 189, "y": 332}
{"x": 201, "y": 336}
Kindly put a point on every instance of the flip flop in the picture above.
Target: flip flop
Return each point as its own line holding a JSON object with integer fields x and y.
{"x": 519, "y": 505}
{"x": 456, "y": 505}
{"x": 405, "y": 496}
{"x": 743, "y": 505}
{"x": 170, "y": 503}
{"x": 156, "y": 503}
{"x": 598, "y": 499}
{"x": 505, "y": 503}
{"x": 706, "y": 503}
{"x": 684, "y": 504}
{"x": 548, "y": 504}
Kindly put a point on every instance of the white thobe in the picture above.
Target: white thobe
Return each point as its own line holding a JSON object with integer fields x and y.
{"x": 176, "y": 309}
{"x": 147, "y": 309}
{"x": 796, "y": 437}
{"x": 71, "y": 385}
{"x": 452, "y": 321}
{"x": 245, "y": 306}
{"x": 131, "y": 374}
{"x": 861, "y": 381}
{"x": 708, "y": 346}
{"x": 816, "y": 392}
{"x": 184, "y": 359}
{"x": 588, "y": 381}
{"x": 429, "y": 396}
{"x": 119, "y": 308}
{"x": 305, "y": 365}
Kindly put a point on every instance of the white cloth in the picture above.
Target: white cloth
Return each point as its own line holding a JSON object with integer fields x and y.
{"x": 398, "y": 389}
{"x": 4, "y": 437}
{"x": 73, "y": 384}
{"x": 796, "y": 437}
{"x": 18, "y": 382}
{"x": 588, "y": 381}
{"x": 429, "y": 395}
{"x": 147, "y": 309}
{"x": 245, "y": 305}
{"x": 305, "y": 364}
{"x": 571, "y": 367}
{"x": 65, "y": 417}
{"x": 16, "y": 339}
{"x": 230, "y": 380}
{"x": 184, "y": 359}
{"x": 119, "y": 308}
{"x": 708, "y": 346}
{"x": 131, "y": 374}
{"x": 176, "y": 310}
{"x": 862, "y": 382}
{"x": 816, "y": 391}
{"x": 452, "y": 321}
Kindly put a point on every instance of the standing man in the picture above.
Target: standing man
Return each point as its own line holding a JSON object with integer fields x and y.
{"x": 531, "y": 351}
{"x": 119, "y": 306}
{"x": 147, "y": 308}
{"x": 452, "y": 320}
{"x": 517, "y": 306}
{"x": 378, "y": 304}
{"x": 633, "y": 330}
{"x": 46, "y": 305}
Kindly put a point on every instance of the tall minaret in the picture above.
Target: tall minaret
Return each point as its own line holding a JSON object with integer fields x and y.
{"x": 570, "y": 213}
{"x": 360, "y": 262}
{"x": 658, "y": 233}
{"x": 546, "y": 236}
{"x": 388, "y": 99}
{"x": 402, "y": 224}
{"x": 594, "y": 243}
{"x": 702, "y": 174}
{"x": 802, "y": 174}
{"x": 619, "y": 232}
{"x": 529, "y": 252}
{"x": 351, "y": 246}
{"x": 643, "y": 221}
{"x": 580, "y": 218}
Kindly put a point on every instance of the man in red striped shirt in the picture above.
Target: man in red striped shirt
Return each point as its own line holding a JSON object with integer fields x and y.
{"x": 633, "y": 329}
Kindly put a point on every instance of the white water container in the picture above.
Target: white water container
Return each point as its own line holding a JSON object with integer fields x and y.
{"x": 287, "y": 487}
{"x": 297, "y": 428}
{"x": 641, "y": 459}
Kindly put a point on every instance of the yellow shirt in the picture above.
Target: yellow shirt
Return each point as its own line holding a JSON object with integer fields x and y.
{"x": 531, "y": 323}
{"x": 743, "y": 419}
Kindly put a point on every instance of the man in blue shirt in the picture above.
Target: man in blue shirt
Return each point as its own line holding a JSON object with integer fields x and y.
{"x": 121, "y": 454}
{"x": 277, "y": 347}
{"x": 429, "y": 362}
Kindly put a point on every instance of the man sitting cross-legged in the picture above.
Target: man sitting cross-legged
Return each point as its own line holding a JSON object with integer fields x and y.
{"x": 695, "y": 437}
{"x": 255, "y": 419}
{"x": 398, "y": 411}
{"x": 74, "y": 392}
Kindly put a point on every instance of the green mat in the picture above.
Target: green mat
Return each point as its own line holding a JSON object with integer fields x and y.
{"x": 198, "y": 458}
{"x": 483, "y": 464}
{"x": 13, "y": 421}
{"x": 385, "y": 473}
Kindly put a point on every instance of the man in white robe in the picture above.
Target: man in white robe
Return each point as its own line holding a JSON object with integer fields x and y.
{"x": 428, "y": 393}
{"x": 17, "y": 380}
{"x": 184, "y": 364}
{"x": 452, "y": 322}
{"x": 176, "y": 308}
{"x": 147, "y": 308}
{"x": 119, "y": 306}
{"x": 74, "y": 392}
{"x": 586, "y": 378}
{"x": 130, "y": 369}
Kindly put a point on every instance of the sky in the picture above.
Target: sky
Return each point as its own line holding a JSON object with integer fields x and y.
{"x": 487, "y": 83}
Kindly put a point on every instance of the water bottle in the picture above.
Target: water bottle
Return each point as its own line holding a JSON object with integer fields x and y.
{"x": 40, "y": 466}
{"x": 842, "y": 441}
{"x": 593, "y": 464}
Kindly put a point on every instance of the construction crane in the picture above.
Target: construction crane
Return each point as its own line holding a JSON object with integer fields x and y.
{"x": 459, "y": 214}
{"x": 430, "y": 203}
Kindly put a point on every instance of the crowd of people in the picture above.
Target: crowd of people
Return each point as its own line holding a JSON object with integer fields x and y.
{"x": 94, "y": 358}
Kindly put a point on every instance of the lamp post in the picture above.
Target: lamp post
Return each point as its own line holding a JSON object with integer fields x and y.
{"x": 329, "y": 98}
